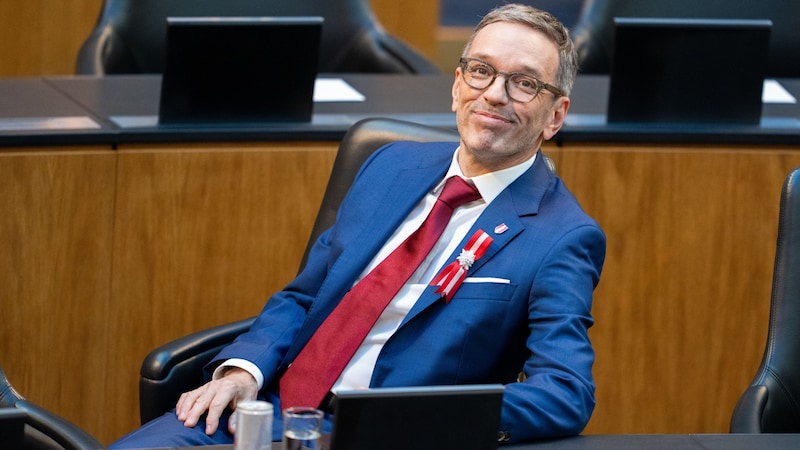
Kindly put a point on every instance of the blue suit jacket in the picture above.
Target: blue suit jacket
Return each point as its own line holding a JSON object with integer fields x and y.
{"x": 490, "y": 332}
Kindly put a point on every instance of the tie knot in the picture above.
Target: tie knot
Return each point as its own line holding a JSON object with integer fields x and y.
{"x": 457, "y": 192}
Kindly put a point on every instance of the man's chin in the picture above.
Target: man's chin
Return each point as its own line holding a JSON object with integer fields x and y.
{"x": 484, "y": 142}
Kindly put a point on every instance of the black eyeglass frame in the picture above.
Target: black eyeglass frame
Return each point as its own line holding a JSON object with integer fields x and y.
{"x": 463, "y": 62}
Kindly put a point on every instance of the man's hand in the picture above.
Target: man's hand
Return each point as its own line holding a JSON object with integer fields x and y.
{"x": 234, "y": 386}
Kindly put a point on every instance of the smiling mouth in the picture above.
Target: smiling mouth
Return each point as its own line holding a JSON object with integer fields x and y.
{"x": 493, "y": 116}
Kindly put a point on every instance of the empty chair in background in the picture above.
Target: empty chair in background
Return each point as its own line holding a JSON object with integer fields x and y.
{"x": 129, "y": 35}
{"x": 593, "y": 32}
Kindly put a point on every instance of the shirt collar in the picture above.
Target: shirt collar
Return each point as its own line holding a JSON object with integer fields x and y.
{"x": 491, "y": 184}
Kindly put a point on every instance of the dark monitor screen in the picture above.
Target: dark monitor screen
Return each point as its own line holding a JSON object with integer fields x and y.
{"x": 465, "y": 417}
{"x": 239, "y": 70}
{"x": 688, "y": 70}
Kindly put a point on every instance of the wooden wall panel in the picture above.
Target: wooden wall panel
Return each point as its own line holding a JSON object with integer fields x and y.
{"x": 413, "y": 21}
{"x": 56, "y": 218}
{"x": 42, "y": 37}
{"x": 203, "y": 236}
{"x": 682, "y": 307}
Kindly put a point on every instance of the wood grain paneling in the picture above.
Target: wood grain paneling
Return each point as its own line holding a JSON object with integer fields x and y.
{"x": 56, "y": 218}
{"x": 682, "y": 307}
{"x": 412, "y": 21}
{"x": 42, "y": 37}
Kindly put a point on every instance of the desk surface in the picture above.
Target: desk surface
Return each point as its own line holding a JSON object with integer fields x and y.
{"x": 130, "y": 103}
{"x": 648, "y": 441}
{"x": 34, "y": 112}
{"x": 669, "y": 442}
{"x": 123, "y": 109}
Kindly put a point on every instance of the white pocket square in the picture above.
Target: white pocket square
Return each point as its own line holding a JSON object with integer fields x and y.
{"x": 486, "y": 280}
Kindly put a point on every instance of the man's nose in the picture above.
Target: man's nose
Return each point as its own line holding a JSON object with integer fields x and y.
{"x": 496, "y": 92}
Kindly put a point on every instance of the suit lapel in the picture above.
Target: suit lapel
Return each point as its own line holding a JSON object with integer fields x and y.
{"x": 521, "y": 198}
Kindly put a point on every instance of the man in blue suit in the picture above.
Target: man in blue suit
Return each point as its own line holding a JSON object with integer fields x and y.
{"x": 522, "y": 310}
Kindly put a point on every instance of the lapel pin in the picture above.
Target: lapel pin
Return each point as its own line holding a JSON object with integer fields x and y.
{"x": 500, "y": 229}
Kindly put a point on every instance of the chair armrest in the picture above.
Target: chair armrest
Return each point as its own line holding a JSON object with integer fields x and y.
{"x": 177, "y": 367}
{"x": 749, "y": 409}
{"x": 46, "y": 426}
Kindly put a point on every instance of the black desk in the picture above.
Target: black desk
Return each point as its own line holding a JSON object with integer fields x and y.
{"x": 668, "y": 442}
{"x": 123, "y": 109}
{"x": 586, "y": 121}
{"x": 648, "y": 442}
{"x": 34, "y": 112}
{"x": 130, "y": 103}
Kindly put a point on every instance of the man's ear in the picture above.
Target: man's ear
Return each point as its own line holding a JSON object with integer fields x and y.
{"x": 557, "y": 117}
{"x": 456, "y": 89}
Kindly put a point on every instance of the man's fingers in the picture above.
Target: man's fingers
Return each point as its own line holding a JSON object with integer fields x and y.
{"x": 186, "y": 402}
{"x": 213, "y": 398}
{"x": 215, "y": 410}
{"x": 192, "y": 405}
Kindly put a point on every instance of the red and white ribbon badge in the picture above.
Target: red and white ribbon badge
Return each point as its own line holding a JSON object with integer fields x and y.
{"x": 451, "y": 277}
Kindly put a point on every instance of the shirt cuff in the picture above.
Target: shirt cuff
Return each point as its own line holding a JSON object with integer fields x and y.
{"x": 249, "y": 367}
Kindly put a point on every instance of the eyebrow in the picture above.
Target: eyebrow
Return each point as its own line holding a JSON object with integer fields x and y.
{"x": 528, "y": 70}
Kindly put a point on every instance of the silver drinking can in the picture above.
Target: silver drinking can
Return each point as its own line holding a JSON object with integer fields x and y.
{"x": 253, "y": 425}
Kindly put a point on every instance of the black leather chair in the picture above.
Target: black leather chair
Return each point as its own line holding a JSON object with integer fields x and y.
{"x": 593, "y": 32}
{"x": 772, "y": 402}
{"x": 176, "y": 367}
{"x": 43, "y": 429}
{"x": 129, "y": 35}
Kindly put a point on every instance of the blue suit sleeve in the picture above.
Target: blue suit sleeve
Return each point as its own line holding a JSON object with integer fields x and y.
{"x": 555, "y": 396}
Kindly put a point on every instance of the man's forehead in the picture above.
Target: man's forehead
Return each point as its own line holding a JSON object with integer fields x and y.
{"x": 515, "y": 47}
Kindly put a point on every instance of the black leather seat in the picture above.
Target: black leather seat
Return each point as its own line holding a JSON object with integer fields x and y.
{"x": 176, "y": 367}
{"x": 772, "y": 402}
{"x": 593, "y": 32}
{"x": 43, "y": 429}
{"x": 129, "y": 35}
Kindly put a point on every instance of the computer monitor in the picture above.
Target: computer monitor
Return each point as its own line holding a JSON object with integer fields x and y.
{"x": 464, "y": 417}
{"x": 239, "y": 70}
{"x": 688, "y": 70}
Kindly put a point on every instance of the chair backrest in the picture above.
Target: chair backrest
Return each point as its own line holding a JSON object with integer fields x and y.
{"x": 360, "y": 141}
{"x": 594, "y": 29}
{"x": 772, "y": 402}
{"x": 130, "y": 34}
{"x": 44, "y": 429}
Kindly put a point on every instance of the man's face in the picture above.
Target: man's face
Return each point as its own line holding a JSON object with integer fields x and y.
{"x": 497, "y": 132}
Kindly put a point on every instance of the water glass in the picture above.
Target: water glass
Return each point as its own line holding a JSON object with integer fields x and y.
{"x": 302, "y": 428}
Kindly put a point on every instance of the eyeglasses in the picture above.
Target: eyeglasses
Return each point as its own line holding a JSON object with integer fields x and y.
{"x": 520, "y": 87}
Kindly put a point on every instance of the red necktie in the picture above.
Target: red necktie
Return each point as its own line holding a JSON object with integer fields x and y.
{"x": 318, "y": 365}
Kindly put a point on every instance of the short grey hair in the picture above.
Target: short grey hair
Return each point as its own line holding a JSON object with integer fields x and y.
{"x": 544, "y": 22}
